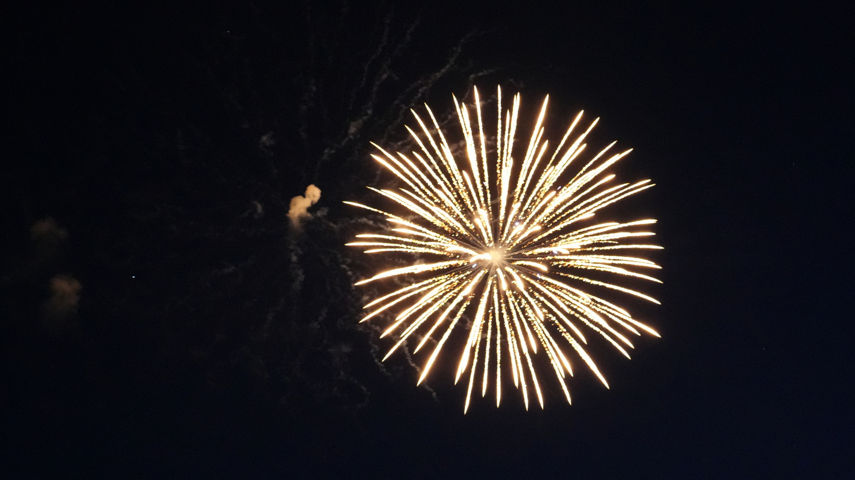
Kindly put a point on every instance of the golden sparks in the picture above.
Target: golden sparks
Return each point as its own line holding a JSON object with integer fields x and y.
{"x": 504, "y": 250}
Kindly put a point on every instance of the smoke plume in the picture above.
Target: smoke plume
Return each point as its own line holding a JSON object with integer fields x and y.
{"x": 64, "y": 297}
{"x": 300, "y": 204}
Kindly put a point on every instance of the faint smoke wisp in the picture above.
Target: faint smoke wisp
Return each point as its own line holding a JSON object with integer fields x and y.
{"x": 47, "y": 231}
{"x": 64, "y": 297}
{"x": 298, "y": 211}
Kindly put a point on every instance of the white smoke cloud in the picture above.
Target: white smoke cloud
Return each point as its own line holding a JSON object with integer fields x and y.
{"x": 300, "y": 204}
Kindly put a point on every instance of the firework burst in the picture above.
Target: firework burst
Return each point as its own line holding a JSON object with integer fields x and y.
{"x": 503, "y": 250}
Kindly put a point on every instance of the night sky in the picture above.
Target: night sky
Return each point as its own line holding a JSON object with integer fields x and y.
{"x": 161, "y": 318}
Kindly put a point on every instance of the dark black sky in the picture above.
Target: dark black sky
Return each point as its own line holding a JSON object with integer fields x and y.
{"x": 210, "y": 338}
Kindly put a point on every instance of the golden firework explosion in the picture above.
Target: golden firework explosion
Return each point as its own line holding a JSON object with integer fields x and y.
{"x": 502, "y": 250}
